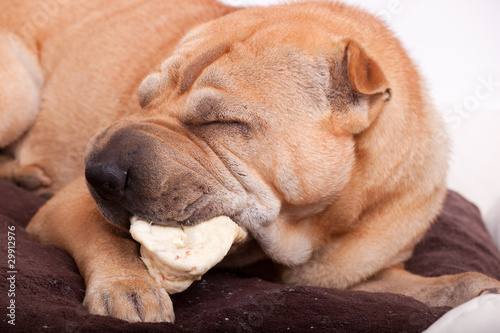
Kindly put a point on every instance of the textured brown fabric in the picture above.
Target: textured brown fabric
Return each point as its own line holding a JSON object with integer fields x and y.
{"x": 49, "y": 289}
{"x": 458, "y": 242}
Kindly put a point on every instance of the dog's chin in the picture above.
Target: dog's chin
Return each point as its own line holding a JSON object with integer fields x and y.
{"x": 114, "y": 213}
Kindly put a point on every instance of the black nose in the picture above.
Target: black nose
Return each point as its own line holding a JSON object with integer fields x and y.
{"x": 109, "y": 179}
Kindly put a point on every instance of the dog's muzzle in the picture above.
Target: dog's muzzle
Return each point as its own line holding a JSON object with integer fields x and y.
{"x": 160, "y": 174}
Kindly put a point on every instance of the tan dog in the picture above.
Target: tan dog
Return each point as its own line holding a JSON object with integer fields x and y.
{"x": 306, "y": 123}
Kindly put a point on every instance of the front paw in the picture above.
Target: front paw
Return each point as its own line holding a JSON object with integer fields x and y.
{"x": 472, "y": 284}
{"x": 30, "y": 177}
{"x": 134, "y": 299}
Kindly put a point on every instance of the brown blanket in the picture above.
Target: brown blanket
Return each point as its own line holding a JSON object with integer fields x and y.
{"x": 49, "y": 290}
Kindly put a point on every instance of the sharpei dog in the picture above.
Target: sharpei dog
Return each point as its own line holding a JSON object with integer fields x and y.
{"x": 306, "y": 123}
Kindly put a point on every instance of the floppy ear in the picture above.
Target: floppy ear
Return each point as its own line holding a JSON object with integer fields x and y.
{"x": 365, "y": 74}
{"x": 364, "y": 89}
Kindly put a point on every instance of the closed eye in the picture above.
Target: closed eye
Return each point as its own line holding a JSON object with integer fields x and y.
{"x": 211, "y": 112}
{"x": 220, "y": 126}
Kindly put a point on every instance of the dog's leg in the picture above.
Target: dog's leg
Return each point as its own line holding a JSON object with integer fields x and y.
{"x": 21, "y": 81}
{"x": 446, "y": 290}
{"x": 118, "y": 283}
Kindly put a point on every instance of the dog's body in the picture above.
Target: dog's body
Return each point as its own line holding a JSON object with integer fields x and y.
{"x": 305, "y": 123}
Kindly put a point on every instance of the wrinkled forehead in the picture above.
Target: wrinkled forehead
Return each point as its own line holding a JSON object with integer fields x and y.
{"x": 195, "y": 52}
{"x": 250, "y": 47}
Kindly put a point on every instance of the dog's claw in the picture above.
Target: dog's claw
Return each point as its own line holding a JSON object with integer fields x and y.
{"x": 133, "y": 299}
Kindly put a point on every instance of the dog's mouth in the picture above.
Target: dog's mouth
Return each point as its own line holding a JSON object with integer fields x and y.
{"x": 196, "y": 216}
{"x": 165, "y": 210}
{"x": 184, "y": 200}
{"x": 244, "y": 209}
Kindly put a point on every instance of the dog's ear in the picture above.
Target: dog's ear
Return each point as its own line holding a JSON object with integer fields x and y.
{"x": 365, "y": 74}
{"x": 360, "y": 89}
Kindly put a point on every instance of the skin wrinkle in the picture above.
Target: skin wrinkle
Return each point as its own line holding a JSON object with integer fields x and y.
{"x": 163, "y": 186}
{"x": 175, "y": 160}
{"x": 239, "y": 180}
{"x": 213, "y": 81}
{"x": 230, "y": 169}
{"x": 215, "y": 176}
{"x": 188, "y": 206}
{"x": 161, "y": 139}
{"x": 194, "y": 70}
{"x": 223, "y": 113}
{"x": 186, "y": 166}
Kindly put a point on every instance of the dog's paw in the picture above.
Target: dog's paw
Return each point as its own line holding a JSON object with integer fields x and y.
{"x": 29, "y": 177}
{"x": 133, "y": 299}
{"x": 479, "y": 284}
{"x": 494, "y": 290}
{"x": 467, "y": 286}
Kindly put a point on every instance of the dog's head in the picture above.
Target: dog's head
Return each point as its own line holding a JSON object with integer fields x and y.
{"x": 253, "y": 116}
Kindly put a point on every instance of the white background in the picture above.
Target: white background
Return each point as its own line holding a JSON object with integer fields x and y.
{"x": 456, "y": 45}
